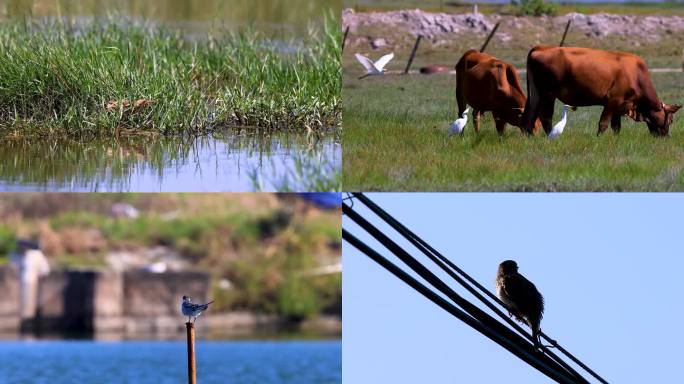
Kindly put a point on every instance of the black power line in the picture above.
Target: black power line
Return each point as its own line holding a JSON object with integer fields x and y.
{"x": 452, "y": 309}
{"x": 431, "y": 253}
{"x": 496, "y": 331}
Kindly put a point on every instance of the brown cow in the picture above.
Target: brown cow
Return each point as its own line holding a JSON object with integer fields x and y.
{"x": 581, "y": 76}
{"x": 489, "y": 84}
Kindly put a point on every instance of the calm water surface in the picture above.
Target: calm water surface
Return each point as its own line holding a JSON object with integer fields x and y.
{"x": 62, "y": 362}
{"x": 222, "y": 162}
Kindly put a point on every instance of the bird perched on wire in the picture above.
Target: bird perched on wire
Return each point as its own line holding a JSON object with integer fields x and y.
{"x": 521, "y": 297}
{"x": 189, "y": 309}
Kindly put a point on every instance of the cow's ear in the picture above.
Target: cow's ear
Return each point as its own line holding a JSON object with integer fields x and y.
{"x": 672, "y": 108}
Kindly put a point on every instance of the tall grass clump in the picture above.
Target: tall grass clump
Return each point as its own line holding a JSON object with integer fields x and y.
{"x": 69, "y": 78}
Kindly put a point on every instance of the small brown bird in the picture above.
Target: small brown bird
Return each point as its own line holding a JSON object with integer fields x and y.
{"x": 521, "y": 296}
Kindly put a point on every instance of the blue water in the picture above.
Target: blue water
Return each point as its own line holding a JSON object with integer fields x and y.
{"x": 239, "y": 362}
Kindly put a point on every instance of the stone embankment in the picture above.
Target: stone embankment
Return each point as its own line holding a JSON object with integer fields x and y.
{"x": 131, "y": 304}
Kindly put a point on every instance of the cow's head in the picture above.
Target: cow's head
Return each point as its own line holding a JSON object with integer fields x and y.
{"x": 659, "y": 121}
{"x": 516, "y": 117}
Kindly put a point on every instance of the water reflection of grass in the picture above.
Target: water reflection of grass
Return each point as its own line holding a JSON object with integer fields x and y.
{"x": 312, "y": 171}
{"x": 58, "y": 78}
{"x": 110, "y": 164}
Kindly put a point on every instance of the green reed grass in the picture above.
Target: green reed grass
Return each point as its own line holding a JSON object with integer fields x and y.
{"x": 57, "y": 78}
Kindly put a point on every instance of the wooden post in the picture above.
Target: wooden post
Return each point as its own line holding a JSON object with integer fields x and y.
{"x": 567, "y": 27}
{"x": 491, "y": 34}
{"x": 413, "y": 53}
{"x": 344, "y": 39}
{"x": 192, "y": 368}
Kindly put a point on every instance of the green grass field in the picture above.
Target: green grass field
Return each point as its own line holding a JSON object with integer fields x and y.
{"x": 395, "y": 138}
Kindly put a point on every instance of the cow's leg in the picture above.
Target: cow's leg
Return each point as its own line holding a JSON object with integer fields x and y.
{"x": 546, "y": 114}
{"x": 500, "y": 124}
{"x": 615, "y": 123}
{"x": 476, "y": 120}
{"x": 606, "y": 117}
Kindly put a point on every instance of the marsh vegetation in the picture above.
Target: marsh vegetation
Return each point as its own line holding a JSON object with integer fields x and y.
{"x": 170, "y": 95}
{"x": 63, "y": 77}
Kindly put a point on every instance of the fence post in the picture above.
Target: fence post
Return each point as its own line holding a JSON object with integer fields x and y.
{"x": 344, "y": 39}
{"x": 491, "y": 34}
{"x": 567, "y": 27}
{"x": 413, "y": 53}
{"x": 192, "y": 368}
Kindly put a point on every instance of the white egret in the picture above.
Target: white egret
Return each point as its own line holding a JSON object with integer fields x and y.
{"x": 458, "y": 125}
{"x": 377, "y": 68}
{"x": 558, "y": 128}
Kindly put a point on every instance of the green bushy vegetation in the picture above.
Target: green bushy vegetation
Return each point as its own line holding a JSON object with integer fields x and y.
{"x": 265, "y": 252}
{"x": 535, "y": 8}
{"x": 7, "y": 244}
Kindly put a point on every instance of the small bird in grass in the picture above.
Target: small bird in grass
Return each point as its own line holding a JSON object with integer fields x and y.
{"x": 190, "y": 309}
{"x": 521, "y": 297}
{"x": 558, "y": 128}
{"x": 373, "y": 69}
{"x": 458, "y": 125}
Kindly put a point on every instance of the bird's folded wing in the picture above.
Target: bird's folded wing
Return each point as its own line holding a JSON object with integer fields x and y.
{"x": 380, "y": 64}
{"x": 365, "y": 62}
{"x": 519, "y": 289}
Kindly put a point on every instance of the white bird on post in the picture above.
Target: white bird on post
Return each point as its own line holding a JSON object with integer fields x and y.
{"x": 459, "y": 124}
{"x": 374, "y": 69}
{"x": 189, "y": 309}
{"x": 558, "y": 128}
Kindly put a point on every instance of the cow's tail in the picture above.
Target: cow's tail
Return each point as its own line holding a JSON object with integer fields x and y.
{"x": 532, "y": 104}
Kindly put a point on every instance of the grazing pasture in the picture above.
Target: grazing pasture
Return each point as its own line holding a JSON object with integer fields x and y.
{"x": 395, "y": 138}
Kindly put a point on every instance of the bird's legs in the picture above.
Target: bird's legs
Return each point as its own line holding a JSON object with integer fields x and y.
{"x": 188, "y": 319}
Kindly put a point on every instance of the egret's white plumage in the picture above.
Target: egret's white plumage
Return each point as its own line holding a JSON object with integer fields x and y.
{"x": 558, "y": 128}
{"x": 189, "y": 309}
{"x": 377, "y": 68}
{"x": 459, "y": 124}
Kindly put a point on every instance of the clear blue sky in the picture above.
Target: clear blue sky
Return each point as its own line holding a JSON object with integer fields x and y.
{"x": 610, "y": 266}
